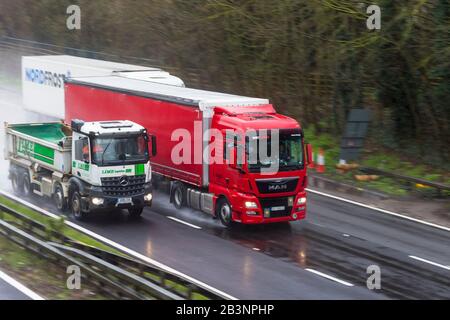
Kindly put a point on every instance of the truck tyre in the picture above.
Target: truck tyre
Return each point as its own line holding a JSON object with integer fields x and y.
{"x": 135, "y": 212}
{"x": 27, "y": 189}
{"x": 16, "y": 184}
{"x": 179, "y": 195}
{"x": 224, "y": 212}
{"x": 75, "y": 205}
{"x": 58, "y": 198}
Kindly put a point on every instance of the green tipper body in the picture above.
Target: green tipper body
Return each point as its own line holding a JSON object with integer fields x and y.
{"x": 48, "y": 132}
{"x": 48, "y": 144}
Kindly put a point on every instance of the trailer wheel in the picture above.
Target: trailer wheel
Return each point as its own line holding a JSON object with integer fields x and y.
{"x": 58, "y": 198}
{"x": 135, "y": 212}
{"x": 16, "y": 184}
{"x": 224, "y": 212}
{"x": 179, "y": 196}
{"x": 75, "y": 205}
{"x": 27, "y": 191}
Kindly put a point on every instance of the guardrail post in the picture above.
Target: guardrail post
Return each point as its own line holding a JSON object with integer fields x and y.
{"x": 162, "y": 279}
{"x": 190, "y": 288}
{"x": 141, "y": 269}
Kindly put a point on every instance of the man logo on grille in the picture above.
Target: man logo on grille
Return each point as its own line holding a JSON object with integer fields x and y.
{"x": 277, "y": 187}
{"x": 124, "y": 181}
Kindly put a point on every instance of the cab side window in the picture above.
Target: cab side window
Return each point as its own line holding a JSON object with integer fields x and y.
{"x": 82, "y": 150}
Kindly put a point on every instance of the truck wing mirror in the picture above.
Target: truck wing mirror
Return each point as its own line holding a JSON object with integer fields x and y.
{"x": 309, "y": 157}
{"x": 154, "y": 148}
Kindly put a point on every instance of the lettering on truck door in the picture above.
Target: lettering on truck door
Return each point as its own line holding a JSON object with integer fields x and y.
{"x": 81, "y": 164}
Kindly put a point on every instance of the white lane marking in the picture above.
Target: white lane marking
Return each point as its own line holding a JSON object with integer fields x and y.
{"x": 345, "y": 283}
{"x": 122, "y": 248}
{"x": 184, "y": 222}
{"x": 431, "y": 262}
{"x": 378, "y": 209}
{"x": 20, "y": 287}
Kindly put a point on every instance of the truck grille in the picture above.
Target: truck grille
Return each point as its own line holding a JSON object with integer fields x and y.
{"x": 271, "y": 203}
{"x": 277, "y": 185}
{"x": 125, "y": 186}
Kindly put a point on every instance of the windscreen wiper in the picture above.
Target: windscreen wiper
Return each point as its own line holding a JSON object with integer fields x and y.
{"x": 103, "y": 154}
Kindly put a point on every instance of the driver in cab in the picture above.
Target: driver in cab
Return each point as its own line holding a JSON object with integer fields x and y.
{"x": 97, "y": 150}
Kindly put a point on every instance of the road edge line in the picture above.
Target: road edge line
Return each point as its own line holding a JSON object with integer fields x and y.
{"x": 20, "y": 287}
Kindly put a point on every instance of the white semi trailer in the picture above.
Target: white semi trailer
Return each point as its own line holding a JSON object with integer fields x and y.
{"x": 43, "y": 79}
{"x": 85, "y": 167}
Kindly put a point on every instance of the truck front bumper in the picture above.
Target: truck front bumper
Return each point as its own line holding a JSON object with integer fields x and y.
{"x": 271, "y": 210}
{"x": 97, "y": 200}
{"x": 246, "y": 219}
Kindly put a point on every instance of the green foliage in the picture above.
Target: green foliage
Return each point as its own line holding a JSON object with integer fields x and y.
{"x": 328, "y": 143}
{"x": 389, "y": 160}
{"x": 55, "y": 226}
{"x": 314, "y": 59}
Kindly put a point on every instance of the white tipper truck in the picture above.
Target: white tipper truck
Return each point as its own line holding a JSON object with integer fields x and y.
{"x": 85, "y": 167}
{"x": 43, "y": 79}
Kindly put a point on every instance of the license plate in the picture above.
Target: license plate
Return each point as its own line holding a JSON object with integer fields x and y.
{"x": 281, "y": 208}
{"x": 124, "y": 201}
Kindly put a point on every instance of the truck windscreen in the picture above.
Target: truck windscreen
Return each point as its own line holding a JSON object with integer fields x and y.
{"x": 111, "y": 151}
{"x": 289, "y": 156}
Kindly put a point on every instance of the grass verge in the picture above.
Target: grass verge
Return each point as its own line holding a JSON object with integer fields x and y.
{"x": 377, "y": 157}
{"x": 47, "y": 280}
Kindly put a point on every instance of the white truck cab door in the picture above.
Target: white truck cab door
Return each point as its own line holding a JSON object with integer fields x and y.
{"x": 81, "y": 157}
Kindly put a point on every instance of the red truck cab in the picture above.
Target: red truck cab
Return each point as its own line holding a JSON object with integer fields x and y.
{"x": 257, "y": 197}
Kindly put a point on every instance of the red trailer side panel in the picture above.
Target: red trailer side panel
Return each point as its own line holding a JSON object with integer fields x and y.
{"x": 160, "y": 118}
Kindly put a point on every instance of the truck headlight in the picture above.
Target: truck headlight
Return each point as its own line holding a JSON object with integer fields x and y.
{"x": 98, "y": 201}
{"x": 251, "y": 205}
{"x": 301, "y": 201}
{"x": 148, "y": 197}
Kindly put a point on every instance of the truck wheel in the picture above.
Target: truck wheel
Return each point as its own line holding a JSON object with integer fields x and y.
{"x": 135, "y": 212}
{"x": 179, "y": 196}
{"x": 75, "y": 205}
{"x": 16, "y": 184}
{"x": 224, "y": 212}
{"x": 27, "y": 191}
{"x": 58, "y": 198}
